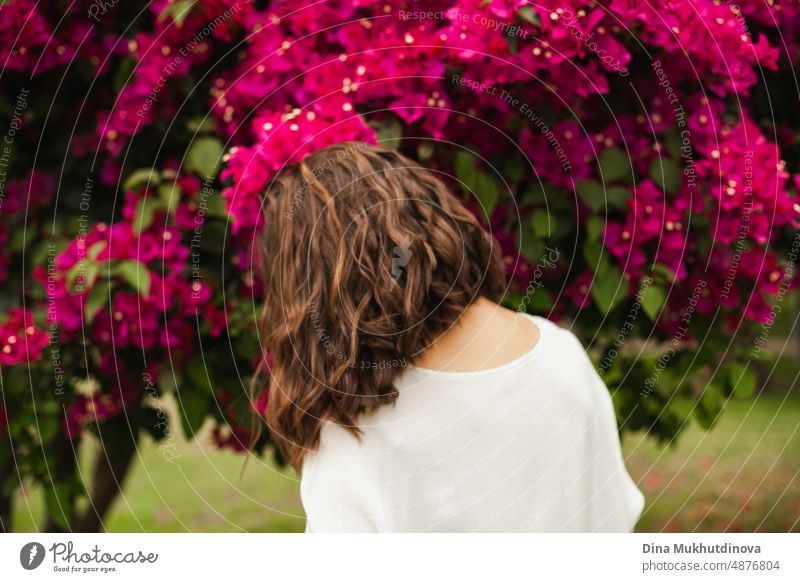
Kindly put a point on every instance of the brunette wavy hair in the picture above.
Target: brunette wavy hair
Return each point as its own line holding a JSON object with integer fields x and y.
{"x": 366, "y": 259}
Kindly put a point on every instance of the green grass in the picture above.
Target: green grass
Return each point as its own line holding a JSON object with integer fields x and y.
{"x": 741, "y": 476}
{"x": 204, "y": 489}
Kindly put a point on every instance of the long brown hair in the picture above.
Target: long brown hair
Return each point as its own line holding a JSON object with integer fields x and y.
{"x": 366, "y": 259}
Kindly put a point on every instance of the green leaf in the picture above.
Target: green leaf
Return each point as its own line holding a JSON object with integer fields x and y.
{"x": 145, "y": 210}
{"x": 425, "y": 151}
{"x": 595, "y": 258}
{"x": 246, "y": 345}
{"x": 511, "y": 300}
{"x": 594, "y": 228}
{"x": 481, "y": 184}
{"x": 90, "y": 276}
{"x": 486, "y": 192}
{"x": 709, "y": 406}
{"x": 193, "y": 407}
{"x": 666, "y": 174}
{"x": 214, "y": 236}
{"x": 612, "y": 372}
{"x": 591, "y": 193}
{"x": 540, "y": 301}
{"x": 123, "y": 73}
{"x": 200, "y": 124}
{"x": 59, "y": 503}
{"x": 742, "y": 380}
{"x": 95, "y": 249}
{"x": 18, "y": 240}
{"x": 216, "y": 206}
{"x": 608, "y": 289}
{"x": 389, "y": 130}
{"x": 614, "y": 164}
{"x": 673, "y": 143}
{"x": 136, "y": 275}
{"x": 11, "y": 481}
{"x": 763, "y": 355}
{"x": 204, "y": 156}
{"x": 653, "y": 299}
{"x": 665, "y": 271}
{"x": 170, "y": 195}
{"x": 513, "y": 43}
{"x": 73, "y": 274}
{"x": 142, "y": 177}
{"x": 618, "y": 196}
{"x": 682, "y": 407}
{"x": 198, "y": 376}
{"x": 465, "y": 169}
{"x": 97, "y": 298}
{"x": 44, "y": 249}
{"x": 48, "y": 427}
{"x": 528, "y": 14}
{"x": 513, "y": 169}
{"x": 529, "y": 246}
{"x": 543, "y": 223}
{"x": 178, "y": 11}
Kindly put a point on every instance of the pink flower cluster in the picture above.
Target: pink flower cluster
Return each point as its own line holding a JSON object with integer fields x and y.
{"x": 742, "y": 186}
{"x": 726, "y": 63}
{"x": 179, "y": 42}
{"x": 96, "y": 406}
{"x": 283, "y": 139}
{"x": 21, "y": 339}
{"x": 361, "y": 69}
{"x": 234, "y": 435}
{"x": 160, "y": 318}
{"x": 36, "y": 37}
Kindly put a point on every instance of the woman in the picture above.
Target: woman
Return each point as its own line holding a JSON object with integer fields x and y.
{"x": 406, "y": 396}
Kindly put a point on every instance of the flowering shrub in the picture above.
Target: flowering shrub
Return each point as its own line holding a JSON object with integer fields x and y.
{"x": 624, "y": 154}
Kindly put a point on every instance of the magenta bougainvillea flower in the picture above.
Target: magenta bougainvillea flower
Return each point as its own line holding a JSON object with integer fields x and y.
{"x": 22, "y": 341}
{"x": 624, "y": 135}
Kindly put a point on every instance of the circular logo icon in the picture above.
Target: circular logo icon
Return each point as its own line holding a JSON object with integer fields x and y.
{"x": 31, "y": 555}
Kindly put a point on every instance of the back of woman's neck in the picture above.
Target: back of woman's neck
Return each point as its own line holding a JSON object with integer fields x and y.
{"x": 486, "y": 336}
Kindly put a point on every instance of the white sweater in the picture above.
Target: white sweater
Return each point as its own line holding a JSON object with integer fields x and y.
{"x": 530, "y": 446}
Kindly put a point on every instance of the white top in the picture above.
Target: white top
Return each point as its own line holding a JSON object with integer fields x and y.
{"x": 530, "y": 446}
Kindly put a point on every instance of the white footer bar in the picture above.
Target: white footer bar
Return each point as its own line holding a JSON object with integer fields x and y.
{"x": 400, "y": 557}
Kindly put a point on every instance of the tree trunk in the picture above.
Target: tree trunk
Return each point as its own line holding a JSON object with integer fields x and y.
{"x": 5, "y": 500}
{"x": 5, "y": 513}
{"x": 110, "y": 469}
{"x": 62, "y": 471}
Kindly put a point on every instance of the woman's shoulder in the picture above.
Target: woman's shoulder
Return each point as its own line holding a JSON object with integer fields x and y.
{"x": 339, "y": 447}
{"x": 558, "y": 336}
